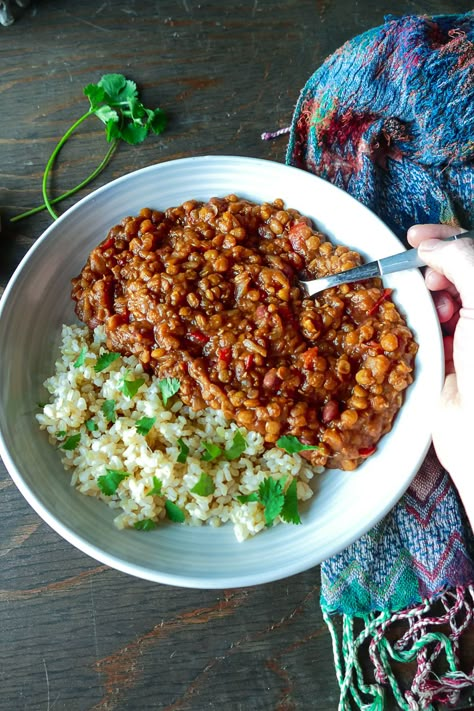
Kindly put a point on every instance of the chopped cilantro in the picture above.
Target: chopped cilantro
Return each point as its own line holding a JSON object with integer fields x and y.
{"x": 61, "y": 433}
{"x": 109, "y": 482}
{"x": 270, "y": 493}
{"x": 173, "y": 512}
{"x": 245, "y": 498}
{"x": 292, "y": 445}
{"x": 146, "y": 524}
{"x": 81, "y": 358}
{"x": 212, "y": 451}
{"x": 105, "y": 360}
{"x": 168, "y": 388}
{"x": 108, "y": 408}
{"x": 289, "y": 512}
{"x": 131, "y": 387}
{"x": 205, "y": 486}
{"x": 144, "y": 425}
{"x": 183, "y": 451}
{"x": 91, "y": 425}
{"x": 157, "y": 486}
{"x": 237, "y": 447}
{"x": 275, "y": 501}
{"x": 71, "y": 442}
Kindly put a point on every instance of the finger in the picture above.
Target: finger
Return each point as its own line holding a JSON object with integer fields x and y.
{"x": 420, "y": 233}
{"x": 448, "y": 354}
{"x": 435, "y": 281}
{"x": 445, "y": 306}
{"x": 455, "y": 261}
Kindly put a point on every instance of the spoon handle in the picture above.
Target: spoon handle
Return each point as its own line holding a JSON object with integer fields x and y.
{"x": 410, "y": 258}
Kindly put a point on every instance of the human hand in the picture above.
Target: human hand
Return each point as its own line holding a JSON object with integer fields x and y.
{"x": 450, "y": 275}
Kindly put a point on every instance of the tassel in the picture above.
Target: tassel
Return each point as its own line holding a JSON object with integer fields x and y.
{"x": 422, "y": 643}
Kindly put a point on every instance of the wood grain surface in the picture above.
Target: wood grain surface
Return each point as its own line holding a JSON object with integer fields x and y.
{"x": 76, "y": 635}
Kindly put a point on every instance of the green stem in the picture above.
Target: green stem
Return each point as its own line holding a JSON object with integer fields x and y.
{"x": 72, "y": 191}
{"x": 52, "y": 158}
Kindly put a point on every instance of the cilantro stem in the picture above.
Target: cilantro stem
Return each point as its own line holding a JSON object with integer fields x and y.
{"x": 72, "y": 191}
{"x": 52, "y": 158}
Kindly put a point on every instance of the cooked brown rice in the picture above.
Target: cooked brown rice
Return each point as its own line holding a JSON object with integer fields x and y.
{"x": 77, "y": 396}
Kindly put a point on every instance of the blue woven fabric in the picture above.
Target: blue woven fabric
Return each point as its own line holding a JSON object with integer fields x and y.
{"x": 389, "y": 118}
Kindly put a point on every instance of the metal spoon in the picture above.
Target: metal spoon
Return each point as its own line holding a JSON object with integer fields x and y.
{"x": 396, "y": 263}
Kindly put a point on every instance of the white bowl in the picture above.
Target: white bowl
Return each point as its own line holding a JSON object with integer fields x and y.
{"x": 37, "y": 301}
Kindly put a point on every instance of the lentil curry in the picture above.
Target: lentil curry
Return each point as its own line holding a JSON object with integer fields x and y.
{"x": 208, "y": 293}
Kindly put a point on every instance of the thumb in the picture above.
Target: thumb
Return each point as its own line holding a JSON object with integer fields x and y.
{"x": 455, "y": 260}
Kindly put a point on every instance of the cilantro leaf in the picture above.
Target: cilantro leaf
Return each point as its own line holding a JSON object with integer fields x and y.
{"x": 108, "y": 408}
{"x": 212, "y": 451}
{"x": 108, "y": 483}
{"x": 289, "y": 511}
{"x": 205, "y": 486}
{"x": 80, "y": 360}
{"x": 270, "y": 494}
{"x": 245, "y": 498}
{"x": 157, "y": 486}
{"x": 105, "y": 360}
{"x": 60, "y": 434}
{"x": 131, "y": 387}
{"x": 237, "y": 447}
{"x": 144, "y": 425}
{"x": 173, "y": 512}
{"x": 146, "y": 524}
{"x": 292, "y": 445}
{"x": 168, "y": 388}
{"x": 71, "y": 442}
{"x": 91, "y": 425}
{"x": 183, "y": 451}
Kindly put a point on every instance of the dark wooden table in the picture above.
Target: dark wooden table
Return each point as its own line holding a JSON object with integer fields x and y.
{"x": 74, "y": 634}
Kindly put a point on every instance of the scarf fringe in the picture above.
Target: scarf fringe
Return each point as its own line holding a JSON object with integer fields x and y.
{"x": 422, "y": 643}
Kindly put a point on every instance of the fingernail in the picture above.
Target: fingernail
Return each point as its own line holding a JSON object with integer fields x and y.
{"x": 430, "y": 244}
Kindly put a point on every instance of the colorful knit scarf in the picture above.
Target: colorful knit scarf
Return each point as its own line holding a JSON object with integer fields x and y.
{"x": 389, "y": 119}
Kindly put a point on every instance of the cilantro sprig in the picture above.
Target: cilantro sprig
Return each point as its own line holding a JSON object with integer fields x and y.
{"x": 115, "y": 102}
{"x": 213, "y": 451}
{"x": 109, "y": 482}
{"x": 275, "y": 500}
{"x": 104, "y": 360}
{"x": 292, "y": 444}
{"x": 168, "y": 388}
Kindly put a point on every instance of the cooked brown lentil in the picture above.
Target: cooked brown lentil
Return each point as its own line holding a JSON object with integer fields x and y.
{"x": 208, "y": 293}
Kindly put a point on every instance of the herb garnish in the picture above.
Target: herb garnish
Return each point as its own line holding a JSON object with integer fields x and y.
{"x": 146, "y": 524}
{"x": 80, "y": 360}
{"x": 183, "y": 451}
{"x": 173, "y": 512}
{"x": 275, "y": 501}
{"x": 105, "y": 360}
{"x": 237, "y": 447}
{"x": 233, "y": 452}
{"x": 108, "y": 408}
{"x": 114, "y": 100}
{"x": 157, "y": 486}
{"x": 212, "y": 451}
{"x": 109, "y": 482}
{"x": 168, "y": 388}
{"x": 292, "y": 445}
{"x": 131, "y": 387}
{"x": 91, "y": 425}
{"x": 71, "y": 442}
{"x": 205, "y": 486}
{"x": 289, "y": 512}
{"x": 144, "y": 425}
